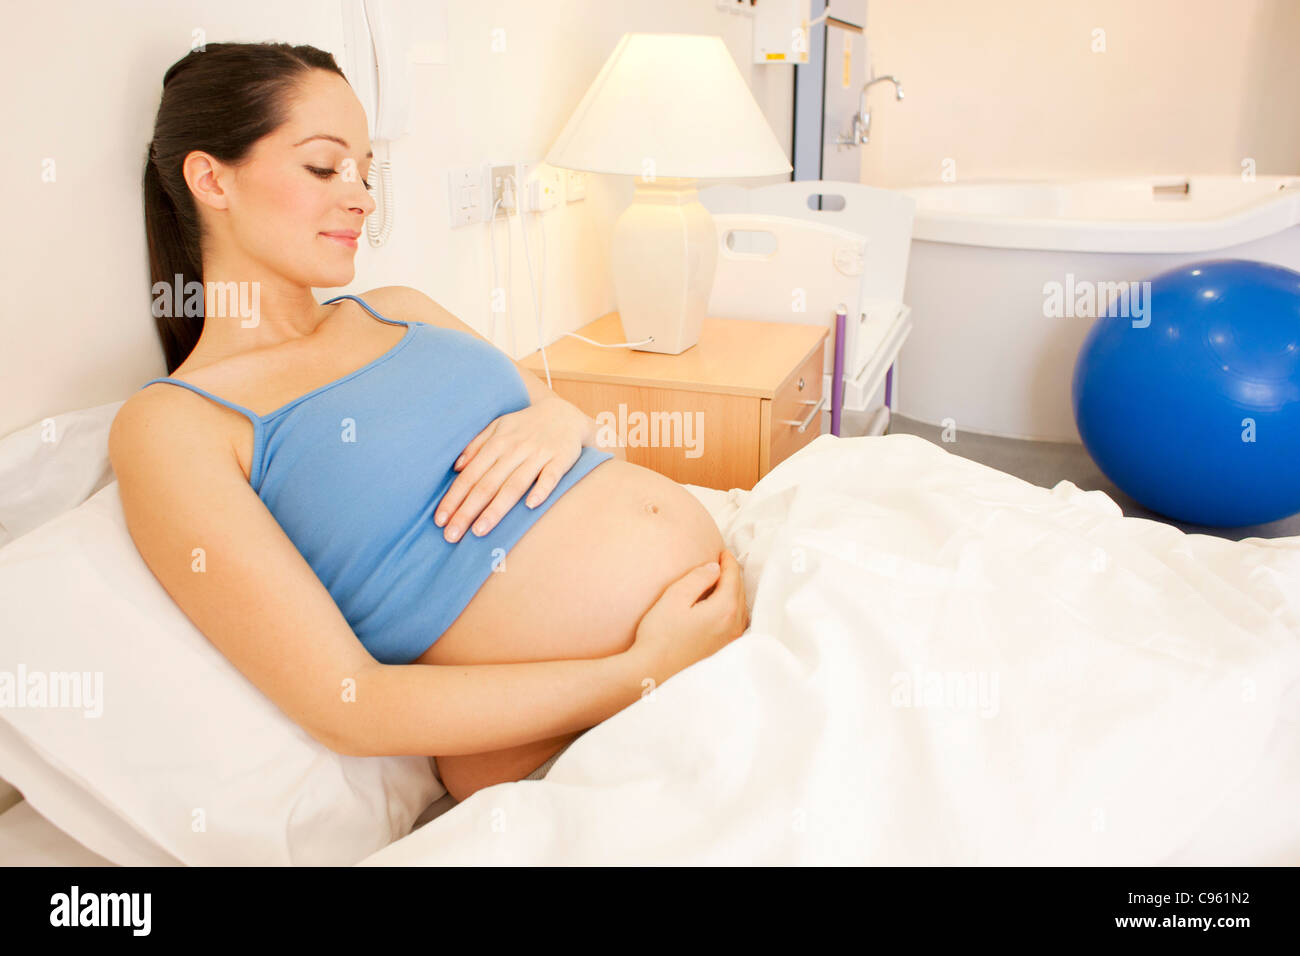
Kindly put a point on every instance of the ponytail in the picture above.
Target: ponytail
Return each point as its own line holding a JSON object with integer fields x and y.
{"x": 170, "y": 255}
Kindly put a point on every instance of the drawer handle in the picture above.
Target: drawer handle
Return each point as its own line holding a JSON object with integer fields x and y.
{"x": 803, "y": 425}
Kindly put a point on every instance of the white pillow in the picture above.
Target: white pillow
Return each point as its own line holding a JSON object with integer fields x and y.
{"x": 102, "y": 830}
{"x": 52, "y": 466}
{"x": 47, "y": 468}
{"x": 188, "y": 758}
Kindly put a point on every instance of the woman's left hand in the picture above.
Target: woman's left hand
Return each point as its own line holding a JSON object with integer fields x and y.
{"x": 540, "y": 442}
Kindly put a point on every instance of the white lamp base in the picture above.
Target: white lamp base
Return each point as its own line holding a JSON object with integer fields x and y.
{"x": 664, "y": 255}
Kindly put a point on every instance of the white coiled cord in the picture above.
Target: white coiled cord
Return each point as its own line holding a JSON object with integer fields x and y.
{"x": 381, "y": 171}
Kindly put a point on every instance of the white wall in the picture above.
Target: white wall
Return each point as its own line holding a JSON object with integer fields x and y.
{"x": 1011, "y": 89}
{"x": 83, "y": 82}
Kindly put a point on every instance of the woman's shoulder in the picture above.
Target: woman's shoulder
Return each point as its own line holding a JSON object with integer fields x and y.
{"x": 161, "y": 413}
{"x": 411, "y": 305}
{"x": 162, "y": 418}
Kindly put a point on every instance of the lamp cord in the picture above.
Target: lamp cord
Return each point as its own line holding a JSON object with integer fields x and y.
{"x": 538, "y": 298}
{"x": 495, "y": 280}
{"x": 532, "y": 284}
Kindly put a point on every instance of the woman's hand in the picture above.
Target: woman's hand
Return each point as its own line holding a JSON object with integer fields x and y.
{"x": 540, "y": 442}
{"x": 696, "y": 616}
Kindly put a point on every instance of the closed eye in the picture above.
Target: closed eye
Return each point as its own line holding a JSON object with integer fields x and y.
{"x": 326, "y": 173}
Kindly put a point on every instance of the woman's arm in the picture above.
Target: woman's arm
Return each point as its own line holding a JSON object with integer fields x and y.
{"x": 451, "y": 710}
{"x": 220, "y": 554}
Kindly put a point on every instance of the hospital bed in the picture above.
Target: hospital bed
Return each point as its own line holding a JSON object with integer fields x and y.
{"x": 944, "y": 664}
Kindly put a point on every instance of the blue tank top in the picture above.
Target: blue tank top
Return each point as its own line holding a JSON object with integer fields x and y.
{"x": 354, "y": 470}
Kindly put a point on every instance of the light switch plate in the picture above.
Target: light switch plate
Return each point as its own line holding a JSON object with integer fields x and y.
{"x": 464, "y": 196}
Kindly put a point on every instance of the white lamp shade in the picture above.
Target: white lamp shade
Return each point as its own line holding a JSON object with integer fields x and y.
{"x": 669, "y": 105}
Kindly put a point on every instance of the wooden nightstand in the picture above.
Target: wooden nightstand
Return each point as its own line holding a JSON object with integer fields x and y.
{"x": 721, "y": 414}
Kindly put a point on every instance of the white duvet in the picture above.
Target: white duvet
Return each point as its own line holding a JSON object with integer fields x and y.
{"x": 948, "y": 665}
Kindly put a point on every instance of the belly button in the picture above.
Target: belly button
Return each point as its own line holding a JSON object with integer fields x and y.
{"x": 651, "y": 508}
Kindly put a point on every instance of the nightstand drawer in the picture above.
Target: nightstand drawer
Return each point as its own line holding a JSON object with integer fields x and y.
{"x": 708, "y": 416}
{"x": 800, "y": 399}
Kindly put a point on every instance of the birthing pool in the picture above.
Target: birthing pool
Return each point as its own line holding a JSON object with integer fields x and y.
{"x": 991, "y": 350}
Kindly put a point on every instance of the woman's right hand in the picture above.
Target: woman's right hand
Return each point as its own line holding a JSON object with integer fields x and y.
{"x": 697, "y": 615}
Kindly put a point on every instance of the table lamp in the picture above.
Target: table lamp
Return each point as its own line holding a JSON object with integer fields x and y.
{"x": 669, "y": 109}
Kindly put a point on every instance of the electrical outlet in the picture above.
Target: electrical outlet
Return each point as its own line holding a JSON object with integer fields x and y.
{"x": 575, "y": 185}
{"x": 499, "y": 188}
{"x": 540, "y": 187}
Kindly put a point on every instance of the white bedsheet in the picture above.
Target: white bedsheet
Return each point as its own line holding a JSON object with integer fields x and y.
{"x": 1136, "y": 691}
{"x": 28, "y": 839}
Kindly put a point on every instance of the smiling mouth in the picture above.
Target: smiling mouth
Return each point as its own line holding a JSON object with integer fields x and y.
{"x": 345, "y": 239}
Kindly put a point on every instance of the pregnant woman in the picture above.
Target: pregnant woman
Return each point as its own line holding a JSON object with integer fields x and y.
{"x": 335, "y": 493}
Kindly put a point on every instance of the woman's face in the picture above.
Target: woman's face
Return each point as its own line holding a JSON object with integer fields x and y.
{"x": 299, "y": 184}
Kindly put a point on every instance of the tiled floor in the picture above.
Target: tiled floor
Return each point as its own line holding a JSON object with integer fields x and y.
{"x": 1046, "y": 463}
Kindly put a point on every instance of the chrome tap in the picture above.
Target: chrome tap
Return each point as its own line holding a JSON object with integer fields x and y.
{"x": 860, "y": 133}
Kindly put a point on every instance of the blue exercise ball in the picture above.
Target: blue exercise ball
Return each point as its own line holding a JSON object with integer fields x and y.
{"x": 1193, "y": 408}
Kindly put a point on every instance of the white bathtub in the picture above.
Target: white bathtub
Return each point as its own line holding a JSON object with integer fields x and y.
{"x": 983, "y": 355}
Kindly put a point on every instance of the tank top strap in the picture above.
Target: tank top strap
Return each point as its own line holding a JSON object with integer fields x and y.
{"x": 362, "y": 302}
{"x": 256, "y": 419}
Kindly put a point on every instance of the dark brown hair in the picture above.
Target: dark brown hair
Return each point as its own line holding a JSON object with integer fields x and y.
{"x": 220, "y": 99}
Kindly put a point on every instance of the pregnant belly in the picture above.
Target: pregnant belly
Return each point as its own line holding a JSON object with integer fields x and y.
{"x": 580, "y": 579}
